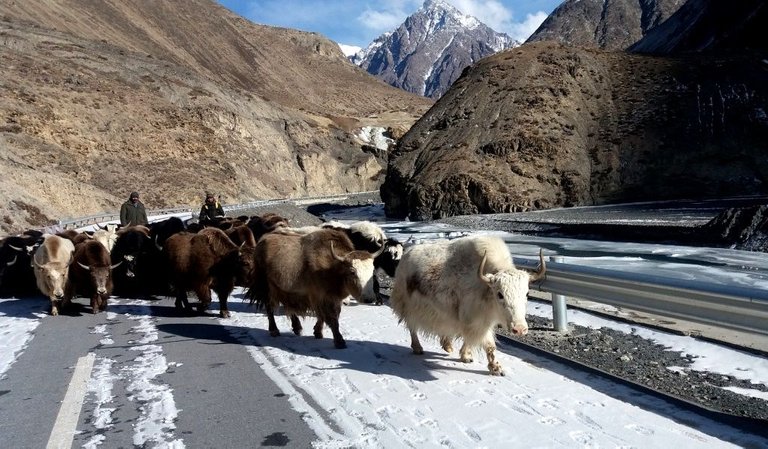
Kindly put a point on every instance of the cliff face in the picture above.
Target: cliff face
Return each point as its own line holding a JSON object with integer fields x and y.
{"x": 545, "y": 125}
{"x": 99, "y": 98}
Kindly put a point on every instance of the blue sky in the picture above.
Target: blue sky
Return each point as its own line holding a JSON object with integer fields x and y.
{"x": 358, "y": 22}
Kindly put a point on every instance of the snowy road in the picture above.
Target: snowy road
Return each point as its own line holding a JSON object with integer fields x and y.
{"x": 166, "y": 381}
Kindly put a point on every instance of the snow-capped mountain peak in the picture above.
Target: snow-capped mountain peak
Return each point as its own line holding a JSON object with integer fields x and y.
{"x": 430, "y": 49}
{"x": 443, "y": 13}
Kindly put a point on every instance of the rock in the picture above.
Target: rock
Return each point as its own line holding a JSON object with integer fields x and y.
{"x": 744, "y": 228}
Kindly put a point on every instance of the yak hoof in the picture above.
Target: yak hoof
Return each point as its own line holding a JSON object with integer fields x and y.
{"x": 340, "y": 344}
{"x": 495, "y": 369}
{"x": 54, "y": 311}
{"x": 224, "y": 313}
{"x": 318, "y": 335}
{"x": 274, "y": 333}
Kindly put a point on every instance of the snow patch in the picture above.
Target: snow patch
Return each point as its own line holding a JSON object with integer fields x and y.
{"x": 349, "y": 50}
{"x": 18, "y": 321}
{"x": 374, "y": 135}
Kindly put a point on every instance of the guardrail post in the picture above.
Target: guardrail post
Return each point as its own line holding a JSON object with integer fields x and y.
{"x": 559, "y": 311}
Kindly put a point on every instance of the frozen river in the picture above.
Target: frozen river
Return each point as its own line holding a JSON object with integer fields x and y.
{"x": 715, "y": 265}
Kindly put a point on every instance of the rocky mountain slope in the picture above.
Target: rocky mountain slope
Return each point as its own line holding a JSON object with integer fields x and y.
{"x": 545, "y": 125}
{"x": 100, "y": 98}
{"x": 428, "y": 52}
{"x": 606, "y": 24}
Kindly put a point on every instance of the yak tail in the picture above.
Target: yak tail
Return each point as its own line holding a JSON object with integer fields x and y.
{"x": 258, "y": 292}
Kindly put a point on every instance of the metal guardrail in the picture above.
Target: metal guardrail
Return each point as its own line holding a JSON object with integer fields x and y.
{"x": 739, "y": 308}
{"x": 105, "y": 217}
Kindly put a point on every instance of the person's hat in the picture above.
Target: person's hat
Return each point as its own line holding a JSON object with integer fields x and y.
{"x": 134, "y": 194}
{"x": 209, "y": 195}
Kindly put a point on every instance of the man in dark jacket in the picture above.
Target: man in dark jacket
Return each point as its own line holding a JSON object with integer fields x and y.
{"x": 132, "y": 211}
{"x": 211, "y": 209}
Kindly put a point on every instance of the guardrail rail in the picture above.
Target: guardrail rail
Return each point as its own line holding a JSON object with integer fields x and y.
{"x": 734, "y": 307}
{"x": 115, "y": 216}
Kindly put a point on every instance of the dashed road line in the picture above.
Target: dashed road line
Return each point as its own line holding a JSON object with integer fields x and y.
{"x": 64, "y": 427}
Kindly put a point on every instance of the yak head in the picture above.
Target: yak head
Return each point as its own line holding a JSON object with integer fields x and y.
{"x": 509, "y": 288}
{"x": 51, "y": 279}
{"x": 357, "y": 267}
{"x": 100, "y": 276}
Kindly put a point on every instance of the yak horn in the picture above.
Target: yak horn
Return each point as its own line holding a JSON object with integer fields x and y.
{"x": 379, "y": 251}
{"x": 85, "y": 267}
{"x": 12, "y": 262}
{"x": 112, "y": 267}
{"x": 484, "y": 277}
{"x": 34, "y": 261}
{"x": 157, "y": 245}
{"x": 16, "y": 248}
{"x": 336, "y": 256}
{"x": 541, "y": 272}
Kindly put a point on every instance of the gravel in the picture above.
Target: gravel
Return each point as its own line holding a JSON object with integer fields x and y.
{"x": 628, "y": 356}
{"x": 647, "y": 363}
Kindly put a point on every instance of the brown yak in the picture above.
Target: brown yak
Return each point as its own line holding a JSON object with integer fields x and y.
{"x": 206, "y": 261}
{"x": 90, "y": 274}
{"x": 310, "y": 273}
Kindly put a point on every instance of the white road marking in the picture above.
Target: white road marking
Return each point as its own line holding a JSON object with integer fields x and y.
{"x": 63, "y": 431}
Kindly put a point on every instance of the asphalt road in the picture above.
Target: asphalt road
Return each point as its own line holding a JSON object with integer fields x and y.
{"x": 222, "y": 398}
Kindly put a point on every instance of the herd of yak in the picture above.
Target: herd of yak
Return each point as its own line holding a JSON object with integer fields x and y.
{"x": 454, "y": 289}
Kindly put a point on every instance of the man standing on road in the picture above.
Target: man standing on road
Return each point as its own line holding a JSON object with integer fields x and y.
{"x": 211, "y": 209}
{"x": 132, "y": 212}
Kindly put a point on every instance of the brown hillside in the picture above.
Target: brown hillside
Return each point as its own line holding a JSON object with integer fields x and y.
{"x": 99, "y": 98}
{"x": 296, "y": 69}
